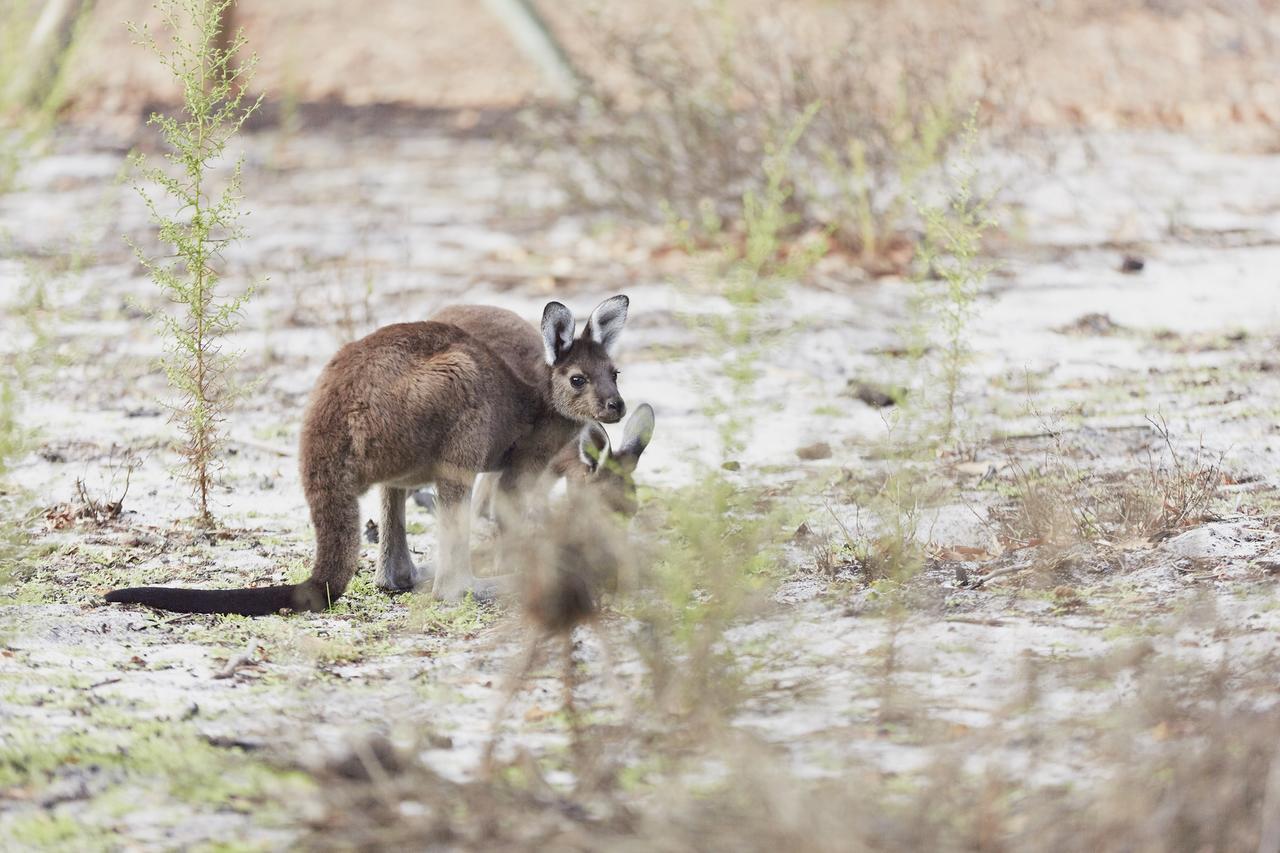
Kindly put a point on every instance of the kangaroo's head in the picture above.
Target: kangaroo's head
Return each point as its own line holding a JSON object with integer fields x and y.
{"x": 606, "y": 477}
{"x": 584, "y": 382}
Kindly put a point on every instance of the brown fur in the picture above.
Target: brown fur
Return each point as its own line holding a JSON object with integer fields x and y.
{"x": 415, "y": 403}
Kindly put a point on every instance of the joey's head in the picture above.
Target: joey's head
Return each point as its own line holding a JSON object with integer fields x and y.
{"x": 584, "y": 382}
{"x": 605, "y": 477}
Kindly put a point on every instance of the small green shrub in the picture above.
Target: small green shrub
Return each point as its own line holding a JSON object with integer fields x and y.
{"x": 205, "y": 222}
{"x": 750, "y": 273}
{"x": 719, "y": 546}
{"x": 951, "y": 277}
{"x": 717, "y": 542}
{"x": 922, "y": 425}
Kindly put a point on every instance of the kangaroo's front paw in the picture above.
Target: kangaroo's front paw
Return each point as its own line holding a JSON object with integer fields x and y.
{"x": 399, "y": 574}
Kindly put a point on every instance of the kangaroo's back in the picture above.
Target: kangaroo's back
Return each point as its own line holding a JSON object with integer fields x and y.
{"x": 413, "y": 396}
{"x": 512, "y": 338}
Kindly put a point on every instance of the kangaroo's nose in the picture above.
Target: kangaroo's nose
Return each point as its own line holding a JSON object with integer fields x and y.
{"x": 616, "y": 407}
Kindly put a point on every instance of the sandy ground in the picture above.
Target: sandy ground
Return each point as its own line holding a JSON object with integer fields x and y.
{"x": 105, "y": 708}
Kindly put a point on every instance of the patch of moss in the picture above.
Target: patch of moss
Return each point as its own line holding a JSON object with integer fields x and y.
{"x": 164, "y": 759}
{"x": 54, "y": 830}
{"x": 463, "y": 619}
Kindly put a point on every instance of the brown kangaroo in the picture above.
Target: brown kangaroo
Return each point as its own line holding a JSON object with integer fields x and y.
{"x": 473, "y": 389}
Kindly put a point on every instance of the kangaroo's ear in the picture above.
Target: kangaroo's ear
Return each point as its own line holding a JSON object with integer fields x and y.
{"x": 593, "y": 446}
{"x": 605, "y": 325}
{"x": 557, "y": 331}
{"x": 636, "y": 436}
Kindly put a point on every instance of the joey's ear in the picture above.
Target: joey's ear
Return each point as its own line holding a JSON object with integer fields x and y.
{"x": 605, "y": 325}
{"x": 557, "y": 331}
{"x": 637, "y": 435}
{"x": 593, "y": 445}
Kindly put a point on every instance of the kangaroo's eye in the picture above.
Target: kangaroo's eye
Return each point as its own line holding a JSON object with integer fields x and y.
{"x": 577, "y": 380}
{"x": 616, "y": 373}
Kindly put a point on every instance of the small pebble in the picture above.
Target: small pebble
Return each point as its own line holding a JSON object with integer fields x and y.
{"x": 817, "y": 450}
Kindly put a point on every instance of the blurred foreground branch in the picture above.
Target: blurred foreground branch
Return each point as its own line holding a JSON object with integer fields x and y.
{"x": 49, "y": 41}
{"x": 531, "y": 34}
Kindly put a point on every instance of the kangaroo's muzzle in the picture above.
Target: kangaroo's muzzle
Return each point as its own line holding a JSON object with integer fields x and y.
{"x": 613, "y": 410}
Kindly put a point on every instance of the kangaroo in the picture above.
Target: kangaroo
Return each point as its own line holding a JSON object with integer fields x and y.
{"x": 582, "y": 552}
{"x": 473, "y": 389}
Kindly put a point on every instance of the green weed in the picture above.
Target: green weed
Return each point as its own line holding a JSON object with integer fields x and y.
{"x": 721, "y": 545}
{"x": 54, "y": 831}
{"x": 431, "y": 616}
{"x": 922, "y": 425}
{"x": 213, "y": 110}
{"x": 750, "y": 274}
{"x": 950, "y": 251}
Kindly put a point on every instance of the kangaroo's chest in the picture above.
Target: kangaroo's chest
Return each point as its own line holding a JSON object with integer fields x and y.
{"x": 535, "y": 449}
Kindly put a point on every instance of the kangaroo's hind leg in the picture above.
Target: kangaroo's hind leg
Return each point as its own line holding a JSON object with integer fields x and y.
{"x": 395, "y": 572}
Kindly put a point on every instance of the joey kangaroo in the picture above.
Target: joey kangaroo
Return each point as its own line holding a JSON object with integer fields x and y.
{"x": 612, "y": 484}
{"x": 581, "y": 551}
{"x": 473, "y": 389}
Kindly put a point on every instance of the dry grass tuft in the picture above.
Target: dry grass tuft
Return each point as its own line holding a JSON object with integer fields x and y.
{"x": 1060, "y": 502}
{"x": 676, "y": 124}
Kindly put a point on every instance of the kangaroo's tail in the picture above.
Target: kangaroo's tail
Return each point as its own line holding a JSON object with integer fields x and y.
{"x": 335, "y": 514}
{"x": 259, "y": 601}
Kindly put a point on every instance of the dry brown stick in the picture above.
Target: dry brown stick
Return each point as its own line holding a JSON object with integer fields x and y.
{"x": 576, "y": 744}
{"x": 242, "y": 659}
{"x": 982, "y": 580}
{"x": 262, "y": 445}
